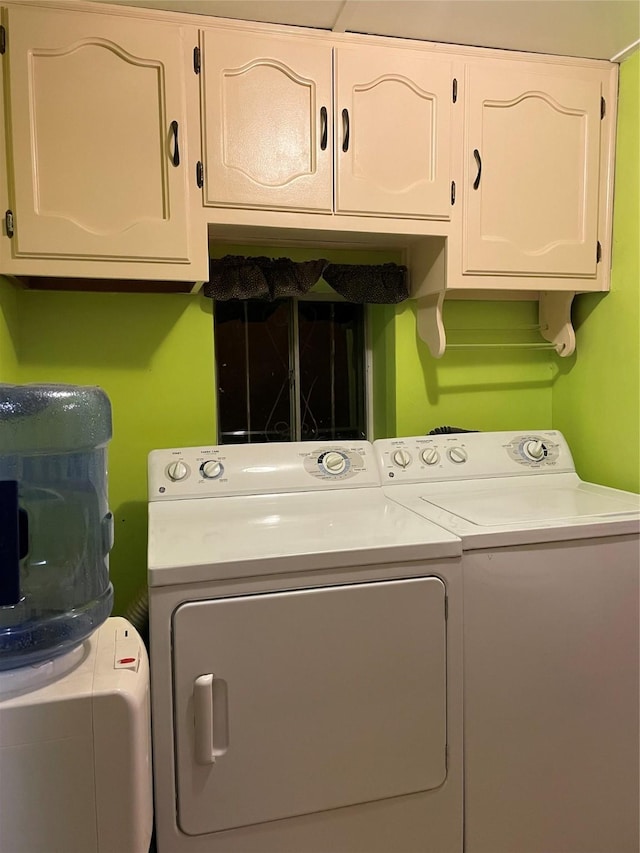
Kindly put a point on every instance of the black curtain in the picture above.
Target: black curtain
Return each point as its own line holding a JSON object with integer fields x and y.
{"x": 238, "y": 277}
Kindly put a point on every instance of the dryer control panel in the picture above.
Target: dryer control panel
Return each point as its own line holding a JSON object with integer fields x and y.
{"x": 463, "y": 456}
{"x": 253, "y": 469}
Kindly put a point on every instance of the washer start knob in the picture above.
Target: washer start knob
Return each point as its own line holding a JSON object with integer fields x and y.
{"x": 458, "y": 455}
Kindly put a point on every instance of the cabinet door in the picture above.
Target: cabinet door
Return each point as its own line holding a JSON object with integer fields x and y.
{"x": 393, "y": 118}
{"x": 302, "y": 701}
{"x": 266, "y": 106}
{"x": 532, "y": 147}
{"x": 91, "y": 102}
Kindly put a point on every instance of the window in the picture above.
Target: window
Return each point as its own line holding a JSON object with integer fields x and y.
{"x": 290, "y": 370}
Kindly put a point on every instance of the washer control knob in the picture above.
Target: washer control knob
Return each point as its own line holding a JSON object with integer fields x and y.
{"x": 534, "y": 450}
{"x": 457, "y": 455}
{"x": 334, "y": 463}
{"x": 430, "y": 456}
{"x": 212, "y": 469}
{"x": 177, "y": 471}
{"x": 401, "y": 458}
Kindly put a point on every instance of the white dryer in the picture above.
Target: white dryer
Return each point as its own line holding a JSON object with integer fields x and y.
{"x": 550, "y": 582}
{"x": 306, "y": 654}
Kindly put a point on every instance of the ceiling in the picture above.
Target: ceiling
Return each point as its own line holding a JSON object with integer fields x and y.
{"x": 599, "y": 29}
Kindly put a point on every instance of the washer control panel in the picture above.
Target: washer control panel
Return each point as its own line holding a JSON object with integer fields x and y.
{"x": 227, "y": 470}
{"x": 460, "y": 456}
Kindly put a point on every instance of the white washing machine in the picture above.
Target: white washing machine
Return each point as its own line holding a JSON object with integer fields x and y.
{"x": 550, "y": 600}
{"x": 306, "y": 654}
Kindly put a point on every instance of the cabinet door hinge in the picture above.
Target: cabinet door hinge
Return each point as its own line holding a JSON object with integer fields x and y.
{"x": 454, "y": 90}
{"x": 453, "y": 192}
{"x": 598, "y": 252}
{"x": 446, "y": 607}
{"x": 196, "y": 60}
{"x": 603, "y": 108}
{"x": 199, "y": 174}
{"x": 3, "y": 39}
{"x": 8, "y": 222}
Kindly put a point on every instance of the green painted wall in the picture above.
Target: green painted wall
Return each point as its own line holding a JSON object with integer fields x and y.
{"x": 153, "y": 355}
{"x": 477, "y": 388}
{"x": 596, "y": 397}
{"x": 8, "y": 331}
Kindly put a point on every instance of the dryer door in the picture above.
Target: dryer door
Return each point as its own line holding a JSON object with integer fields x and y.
{"x": 296, "y": 702}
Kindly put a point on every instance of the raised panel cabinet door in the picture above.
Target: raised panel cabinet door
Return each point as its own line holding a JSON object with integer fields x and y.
{"x": 393, "y": 128}
{"x": 532, "y": 150}
{"x": 92, "y": 100}
{"x": 266, "y": 107}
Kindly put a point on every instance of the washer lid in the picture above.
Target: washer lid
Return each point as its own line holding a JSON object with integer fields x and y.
{"x": 489, "y": 507}
{"x": 515, "y": 511}
{"x": 220, "y": 538}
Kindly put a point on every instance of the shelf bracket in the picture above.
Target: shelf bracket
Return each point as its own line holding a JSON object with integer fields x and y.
{"x": 554, "y": 313}
{"x": 429, "y": 322}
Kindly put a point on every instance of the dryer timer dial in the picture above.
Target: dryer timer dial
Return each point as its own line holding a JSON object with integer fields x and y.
{"x": 333, "y": 462}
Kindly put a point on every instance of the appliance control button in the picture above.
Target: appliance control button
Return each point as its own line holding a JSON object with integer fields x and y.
{"x": 534, "y": 450}
{"x": 458, "y": 455}
{"x": 177, "y": 471}
{"x": 430, "y": 456}
{"x": 333, "y": 462}
{"x": 401, "y": 458}
{"x": 212, "y": 469}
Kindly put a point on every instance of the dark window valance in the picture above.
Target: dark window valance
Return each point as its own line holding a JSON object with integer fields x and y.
{"x": 238, "y": 277}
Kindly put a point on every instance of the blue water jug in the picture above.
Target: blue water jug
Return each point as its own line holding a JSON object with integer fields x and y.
{"x": 56, "y": 530}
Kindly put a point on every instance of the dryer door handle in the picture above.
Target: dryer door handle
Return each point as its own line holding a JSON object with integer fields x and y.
{"x": 211, "y": 724}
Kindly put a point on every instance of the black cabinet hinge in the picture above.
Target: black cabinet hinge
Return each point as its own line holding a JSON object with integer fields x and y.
{"x": 199, "y": 174}
{"x": 598, "y": 252}
{"x": 8, "y": 222}
{"x": 454, "y": 90}
{"x": 603, "y": 108}
{"x": 453, "y": 192}
{"x": 196, "y": 60}
{"x": 3, "y": 39}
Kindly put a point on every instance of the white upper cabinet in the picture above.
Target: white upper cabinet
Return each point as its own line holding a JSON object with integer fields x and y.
{"x": 266, "y": 110}
{"x": 96, "y": 135}
{"x": 393, "y": 132}
{"x": 531, "y": 171}
{"x": 275, "y": 126}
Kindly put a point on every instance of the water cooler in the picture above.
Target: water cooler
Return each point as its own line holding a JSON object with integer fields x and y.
{"x": 75, "y": 761}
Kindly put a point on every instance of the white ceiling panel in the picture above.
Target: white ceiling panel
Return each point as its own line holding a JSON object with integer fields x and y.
{"x": 599, "y": 29}
{"x": 591, "y": 28}
{"x": 301, "y": 13}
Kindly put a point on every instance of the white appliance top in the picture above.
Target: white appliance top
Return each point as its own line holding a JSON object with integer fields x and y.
{"x": 245, "y": 510}
{"x": 503, "y": 488}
